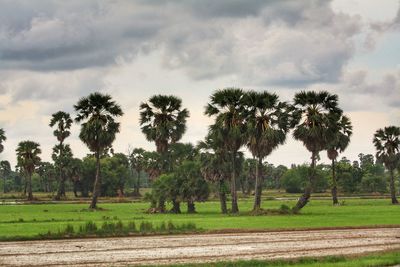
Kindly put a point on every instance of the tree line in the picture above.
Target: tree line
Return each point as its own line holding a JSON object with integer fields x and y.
{"x": 259, "y": 121}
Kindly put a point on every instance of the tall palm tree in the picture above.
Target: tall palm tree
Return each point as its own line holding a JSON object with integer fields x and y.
{"x": 5, "y": 168}
{"x": 337, "y": 145}
{"x": 268, "y": 122}
{"x": 2, "y": 139}
{"x": 137, "y": 163}
{"x": 97, "y": 113}
{"x": 387, "y": 144}
{"x": 317, "y": 115}
{"x": 163, "y": 121}
{"x": 28, "y": 159}
{"x": 227, "y": 107}
{"x": 61, "y": 153}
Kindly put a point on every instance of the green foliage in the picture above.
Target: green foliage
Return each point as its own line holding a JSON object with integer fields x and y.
{"x": 387, "y": 144}
{"x": 114, "y": 170}
{"x": 296, "y": 178}
{"x": 184, "y": 184}
{"x": 372, "y": 183}
{"x": 163, "y": 121}
{"x": 317, "y": 114}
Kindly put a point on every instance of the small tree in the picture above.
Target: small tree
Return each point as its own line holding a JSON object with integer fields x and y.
{"x": 5, "y": 169}
{"x": 215, "y": 165}
{"x": 137, "y": 162}
{"x": 28, "y": 159}
{"x": 62, "y": 154}
{"x": 193, "y": 187}
{"x": 339, "y": 142}
{"x": 387, "y": 144}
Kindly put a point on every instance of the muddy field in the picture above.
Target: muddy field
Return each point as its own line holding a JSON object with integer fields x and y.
{"x": 197, "y": 248}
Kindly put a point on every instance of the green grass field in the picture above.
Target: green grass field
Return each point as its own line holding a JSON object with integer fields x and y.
{"x": 30, "y": 220}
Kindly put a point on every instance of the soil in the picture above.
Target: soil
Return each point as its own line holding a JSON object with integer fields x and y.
{"x": 175, "y": 249}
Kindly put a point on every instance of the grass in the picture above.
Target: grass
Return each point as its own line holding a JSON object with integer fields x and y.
{"x": 382, "y": 259}
{"x": 25, "y": 221}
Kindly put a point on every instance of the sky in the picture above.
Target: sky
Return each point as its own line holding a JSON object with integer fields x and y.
{"x": 52, "y": 53}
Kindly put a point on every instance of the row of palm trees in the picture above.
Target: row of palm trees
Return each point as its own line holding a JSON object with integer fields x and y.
{"x": 258, "y": 120}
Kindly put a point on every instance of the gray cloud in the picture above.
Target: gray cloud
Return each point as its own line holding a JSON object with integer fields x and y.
{"x": 256, "y": 41}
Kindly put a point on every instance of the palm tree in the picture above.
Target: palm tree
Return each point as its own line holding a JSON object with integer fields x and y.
{"x": 137, "y": 163}
{"x": 215, "y": 164}
{"x": 268, "y": 122}
{"x": 387, "y": 144}
{"x": 2, "y": 139}
{"x": 317, "y": 114}
{"x": 61, "y": 153}
{"x": 97, "y": 112}
{"x": 5, "y": 168}
{"x": 28, "y": 159}
{"x": 163, "y": 121}
{"x": 227, "y": 107}
{"x": 338, "y": 144}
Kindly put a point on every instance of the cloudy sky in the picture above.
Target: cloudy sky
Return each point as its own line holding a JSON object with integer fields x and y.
{"x": 54, "y": 52}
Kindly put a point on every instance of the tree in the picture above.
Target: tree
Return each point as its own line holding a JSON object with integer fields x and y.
{"x": 5, "y": 169}
{"x": 339, "y": 142}
{"x": 387, "y": 144}
{"x": 28, "y": 159}
{"x": 295, "y": 180}
{"x": 180, "y": 152}
{"x": 227, "y": 107}
{"x": 184, "y": 184}
{"x": 75, "y": 174}
{"x": 47, "y": 173}
{"x": 193, "y": 186}
{"x": 61, "y": 153}
{"x": 2, "y": 139}
{"x": 115, "y": 173}
{"x": 268, "y": 122}
{"x": 137, "y": 162}
{"x": 163, "y": 121}
{"x": 215, "y": 164}
{"x": 317, "y": 114}
{"x": 97, "y": 113}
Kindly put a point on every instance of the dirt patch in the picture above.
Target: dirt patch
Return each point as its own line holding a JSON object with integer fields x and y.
{"x": 198, "y": 248}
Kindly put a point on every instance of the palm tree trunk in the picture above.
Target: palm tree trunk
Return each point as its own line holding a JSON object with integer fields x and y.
{"x": 97, "y": 183}
{"x": 176, "y": 206}
{"x": 258, "y": 187}
{"x": 61, "y": 188}
{"x": 191, "y": 208}
{"x": 161, "y": 205}
{"x": 75, "y": 188}
{"x": 303, "y": 200}
{"x": 222, "y": 197}
{"x": 334, "y": 184}
{"x": 392, "y": 188}
{"x": 235, "y": 208}
{"x": 29, "y": 184}
{"x": 137, "y": 184}
{"x": 25, "y": 185}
